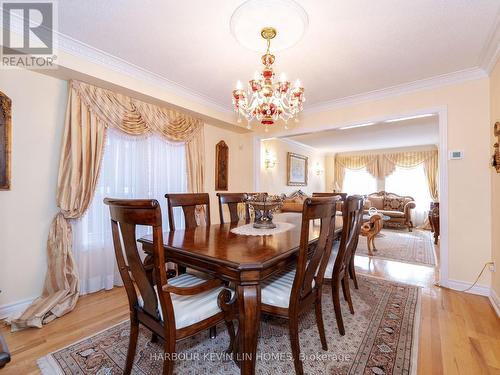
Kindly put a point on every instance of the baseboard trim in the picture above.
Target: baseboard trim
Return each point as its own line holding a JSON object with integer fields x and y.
{"x": 457, "y": 285}
{"x": 495, "y": 301}
{"x": 14, "y": 307}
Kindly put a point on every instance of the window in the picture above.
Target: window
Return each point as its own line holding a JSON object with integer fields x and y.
{"x": 359, "y": 181}
{"x": 412, "y": 182}
{"x": 132, "y": 167}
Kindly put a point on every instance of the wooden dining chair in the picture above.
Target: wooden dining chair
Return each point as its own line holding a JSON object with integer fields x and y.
{"x": 291, "y": 292}
{"x": 172, "y": 309}
{"x": 190, "y": 203}
{"x": 232, "y": 200}
{"x": 337, "y": 270}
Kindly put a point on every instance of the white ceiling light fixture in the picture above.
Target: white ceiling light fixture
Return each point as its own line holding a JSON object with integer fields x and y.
{"x": 252, "y": 16}
{"x": 357, "y": 126}
{"x": 410, "y": 117}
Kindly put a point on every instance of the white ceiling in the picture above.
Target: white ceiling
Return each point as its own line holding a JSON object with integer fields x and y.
{"x": 417, "y": 132}
{"x": 350, "y": 47}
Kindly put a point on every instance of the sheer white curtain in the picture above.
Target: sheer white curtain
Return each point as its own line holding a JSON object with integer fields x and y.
{"x": 132, "y": 167}
{"x": 412, "y": 182}
{"x": 359, "y": 181}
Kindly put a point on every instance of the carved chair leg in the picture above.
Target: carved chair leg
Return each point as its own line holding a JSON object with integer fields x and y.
{"x": 410, "y": 226}
{"x": 336, "y": 305}
{"x": 293, "y": 326}
{"x": 343, "y": 289}
{"x": 352, "y": 273}
{"x": 319, "y": 321}
{"x": 232, "y": 336}
{"x": 132, "y": 345}
{"x": 347, "y": 292}
{"x": 169, "y": 350}
{"x": 227, "y": 304}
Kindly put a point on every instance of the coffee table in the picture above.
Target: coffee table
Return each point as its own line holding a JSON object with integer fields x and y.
{"x": 372, "y": 225}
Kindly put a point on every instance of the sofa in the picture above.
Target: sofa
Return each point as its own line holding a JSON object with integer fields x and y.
{"x": 397, "y": 207}
{"x": 293, "y": 202}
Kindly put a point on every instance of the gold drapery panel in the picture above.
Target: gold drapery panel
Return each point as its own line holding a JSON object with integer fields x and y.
{"x": 90, "y": 111}
{"x": 353, "y": 162}
{"x": 382, "y": 165}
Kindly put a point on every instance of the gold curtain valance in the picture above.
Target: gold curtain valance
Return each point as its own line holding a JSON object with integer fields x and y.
{"x": 135, "y": 117}
{"x": 387, "y": 163}
{"x": 353, "y": 162}
{"x": 382, "y": 165}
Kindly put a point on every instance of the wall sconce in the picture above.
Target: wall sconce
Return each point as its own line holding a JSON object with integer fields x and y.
{"x": 496, "y": 156}
{"x": 269, "y": 161}
{"x": 318, "y": 170}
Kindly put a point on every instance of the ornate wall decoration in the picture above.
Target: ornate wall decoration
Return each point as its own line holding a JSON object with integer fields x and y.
{"x": 5, "y": 141}
{"x": 221, "y": 166}
{"x": 496, "y": 156}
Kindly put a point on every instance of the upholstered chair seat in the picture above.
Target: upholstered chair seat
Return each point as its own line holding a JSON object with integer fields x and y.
{"x": 277, "y": 289}
{"x": 191, "y": 309}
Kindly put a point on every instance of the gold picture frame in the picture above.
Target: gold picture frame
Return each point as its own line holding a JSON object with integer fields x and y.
{"x": 297, "y": 169}
{"x": 5, "y": 141}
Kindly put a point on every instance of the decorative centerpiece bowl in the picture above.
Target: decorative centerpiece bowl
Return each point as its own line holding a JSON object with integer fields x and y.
{"x": 263, "y": 206}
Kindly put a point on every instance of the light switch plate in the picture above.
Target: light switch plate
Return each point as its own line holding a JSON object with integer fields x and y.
{"x": 456, "y": 155}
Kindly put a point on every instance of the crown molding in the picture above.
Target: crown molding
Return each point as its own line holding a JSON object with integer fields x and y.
{"x": 397, "y": 90}
{"x": 96, "y": 56}
{"x": 295, "y": 143}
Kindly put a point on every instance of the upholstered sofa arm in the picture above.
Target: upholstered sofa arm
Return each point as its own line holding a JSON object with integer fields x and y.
{"x": 408, "y": 207}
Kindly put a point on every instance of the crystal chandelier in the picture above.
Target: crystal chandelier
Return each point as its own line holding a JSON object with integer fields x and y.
{"x": 265, "y": 99}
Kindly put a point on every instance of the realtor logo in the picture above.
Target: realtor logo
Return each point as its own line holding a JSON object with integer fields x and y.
{"x": 28, "y": 34}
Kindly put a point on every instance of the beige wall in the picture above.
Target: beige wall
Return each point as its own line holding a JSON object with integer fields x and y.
{"x": 495, "y": 178}
{"x": 240, "y": 164}
{"x": 469, "y": 129}
{"x": 274, "y": 180}
{"x": 38, "y": 107}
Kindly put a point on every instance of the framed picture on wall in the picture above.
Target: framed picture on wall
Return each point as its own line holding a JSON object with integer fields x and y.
{"x": 5, "y": 141}
{"x": 296, "y": 170}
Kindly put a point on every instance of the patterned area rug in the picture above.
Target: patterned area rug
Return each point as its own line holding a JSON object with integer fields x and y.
{"x": 410, "y": 247}
{"x": 381, "y": 338}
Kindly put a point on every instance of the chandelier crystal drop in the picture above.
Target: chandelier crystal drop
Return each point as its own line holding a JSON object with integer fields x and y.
{"x": 265, "y": 98}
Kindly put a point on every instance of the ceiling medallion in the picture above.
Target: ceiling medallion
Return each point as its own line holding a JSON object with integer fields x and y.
{"x": 265, "y": 99}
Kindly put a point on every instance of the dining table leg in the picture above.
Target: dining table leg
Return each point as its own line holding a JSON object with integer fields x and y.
{"x": 248, "y": 327}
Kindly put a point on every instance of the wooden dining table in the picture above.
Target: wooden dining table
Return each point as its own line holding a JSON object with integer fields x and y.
{"x": 243, "y": 260}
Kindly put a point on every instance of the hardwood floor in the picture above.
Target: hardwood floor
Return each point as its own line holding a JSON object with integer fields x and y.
{"x": 459, "y": 332}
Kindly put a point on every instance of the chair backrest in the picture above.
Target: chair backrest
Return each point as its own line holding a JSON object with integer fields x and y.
{"x": 189, "y": 203}
{"x": 232, "y": 200}
{"x": 126, "y": 214}
{"x": 343, "y": 197}
{"x": 309, "y": 259}
{"x": 352, "y": 214}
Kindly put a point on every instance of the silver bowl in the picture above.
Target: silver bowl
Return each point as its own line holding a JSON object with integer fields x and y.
{"x": 263, "y": 207}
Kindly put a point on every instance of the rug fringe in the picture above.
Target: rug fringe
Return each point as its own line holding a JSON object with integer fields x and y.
{"x": 48, "y": 366}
